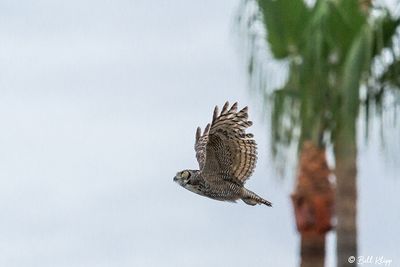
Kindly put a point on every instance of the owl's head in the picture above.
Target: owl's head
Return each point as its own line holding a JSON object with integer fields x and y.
{"x": 190, "y": 180}
{"x": 183, "y": 177}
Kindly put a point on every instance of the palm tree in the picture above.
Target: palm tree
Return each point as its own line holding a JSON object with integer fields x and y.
{"x": 341, "y": 56}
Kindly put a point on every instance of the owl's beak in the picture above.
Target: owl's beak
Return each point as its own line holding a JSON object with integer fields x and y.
{"x": 175, "y": 179}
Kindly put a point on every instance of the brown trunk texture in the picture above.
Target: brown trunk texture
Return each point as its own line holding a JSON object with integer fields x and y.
{"x": 313, "y": 202}
{"x": 312, "y": 249}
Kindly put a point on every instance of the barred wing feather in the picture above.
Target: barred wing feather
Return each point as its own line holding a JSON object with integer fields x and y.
{"x": 224, "y": 150}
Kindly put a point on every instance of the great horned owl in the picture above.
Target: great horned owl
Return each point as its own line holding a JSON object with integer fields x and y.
{"x": 227, "y": 156}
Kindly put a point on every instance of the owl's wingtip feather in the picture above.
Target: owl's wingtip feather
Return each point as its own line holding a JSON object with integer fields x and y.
{"x": 198, "y": 133}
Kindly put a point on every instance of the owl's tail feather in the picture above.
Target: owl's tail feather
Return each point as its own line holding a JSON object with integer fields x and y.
{"x": 251, "y": 198}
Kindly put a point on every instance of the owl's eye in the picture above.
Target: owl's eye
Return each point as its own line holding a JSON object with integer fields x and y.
{"x": 185, "y": 174}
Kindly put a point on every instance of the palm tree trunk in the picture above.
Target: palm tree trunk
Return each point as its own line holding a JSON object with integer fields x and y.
{"x": 312, "y": 250}
{"x": 313, "y": 204}
{"x": 346, "y": 191}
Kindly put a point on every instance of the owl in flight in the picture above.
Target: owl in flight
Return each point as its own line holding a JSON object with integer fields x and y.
{"x": 227, "y": 157}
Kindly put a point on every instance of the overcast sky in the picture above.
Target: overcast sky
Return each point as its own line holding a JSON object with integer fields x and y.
{"x": 99, "y": 103}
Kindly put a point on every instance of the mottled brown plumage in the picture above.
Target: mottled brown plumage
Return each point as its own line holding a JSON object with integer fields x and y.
{"x": 227, "y": 156}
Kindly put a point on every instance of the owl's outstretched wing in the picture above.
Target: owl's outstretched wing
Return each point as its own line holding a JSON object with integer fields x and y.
{"x": 224, "y": 150}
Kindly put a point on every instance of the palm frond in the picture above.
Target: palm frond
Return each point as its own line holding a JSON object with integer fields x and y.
{"x": 331, "y": 50}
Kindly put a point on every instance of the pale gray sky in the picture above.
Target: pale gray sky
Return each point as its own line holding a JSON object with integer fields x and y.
{"x": 99, "y": 102}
